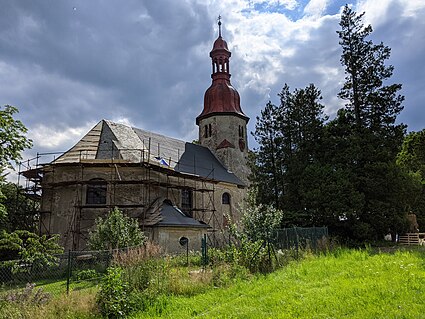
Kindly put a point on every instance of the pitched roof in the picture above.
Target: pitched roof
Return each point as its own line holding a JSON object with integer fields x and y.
{"x": 199, "y": 160}
{"x": 163, "y": 213}
{"x": 109, "y": 140}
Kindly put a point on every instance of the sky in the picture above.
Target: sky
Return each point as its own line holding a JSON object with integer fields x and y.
{"x": 67, "y": 64}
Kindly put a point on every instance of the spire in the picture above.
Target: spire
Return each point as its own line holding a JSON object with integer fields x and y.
{"x": 221, "y": 97}
{"x": 219, "y": 26}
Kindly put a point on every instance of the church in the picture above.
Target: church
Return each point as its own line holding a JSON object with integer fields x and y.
{"x": 173, "y": 188}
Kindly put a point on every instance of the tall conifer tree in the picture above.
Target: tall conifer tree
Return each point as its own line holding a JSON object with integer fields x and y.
{"x": 289, "y": 136}
{"x": 368, "y": 124}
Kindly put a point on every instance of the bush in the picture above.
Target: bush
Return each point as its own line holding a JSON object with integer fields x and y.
{"x": 115, "y": 231}
{"x": 114, "y": 298}
{"x": 254, "y": 238}
{"x": 86, "y": 274}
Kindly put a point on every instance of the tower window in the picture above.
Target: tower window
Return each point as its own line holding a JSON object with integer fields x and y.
{"x": 241, "y": 131}
{"x": 187, "y": 201}
{"x": 225, "y": 199}
{"x": 96, "y": 192}
{"x": 207, "y": 130}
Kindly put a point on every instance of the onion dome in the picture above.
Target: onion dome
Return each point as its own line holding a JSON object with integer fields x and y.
{"x": 221, "y": 97}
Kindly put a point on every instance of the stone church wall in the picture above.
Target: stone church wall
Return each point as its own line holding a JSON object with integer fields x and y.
{"x": 67, "y": 213}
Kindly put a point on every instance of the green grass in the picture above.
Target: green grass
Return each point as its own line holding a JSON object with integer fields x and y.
{"x": 342, "y": 284}
{"x": 345, "y": 284}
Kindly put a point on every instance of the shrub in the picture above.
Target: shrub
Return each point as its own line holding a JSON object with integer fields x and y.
{"x": 254, "y": 238}
{"x": 114, "y": 298}
{"x": 115, "y": 231}
{"x": 86, "y": 274}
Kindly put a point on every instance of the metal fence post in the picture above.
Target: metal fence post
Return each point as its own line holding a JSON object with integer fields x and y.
{"x": 296, "y": 240}
{"x": 204, "y": 250}
{"x": 68, "y": 272}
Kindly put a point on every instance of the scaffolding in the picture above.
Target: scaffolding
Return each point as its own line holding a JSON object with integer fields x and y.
{"x": 156, "y": 175}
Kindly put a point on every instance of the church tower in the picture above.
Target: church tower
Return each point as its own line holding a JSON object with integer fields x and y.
{"x": 222, "y": 123}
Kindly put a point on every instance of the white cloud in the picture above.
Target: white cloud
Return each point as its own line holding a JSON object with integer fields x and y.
{"x": 123, "y": 120}
{"x": 379, "y": 12}
{"x": 50, "y": 138}
{"x": 316, "y": 8}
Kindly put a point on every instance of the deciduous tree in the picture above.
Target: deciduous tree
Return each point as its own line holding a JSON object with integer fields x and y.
{"x": 13, "y": 141}
{"x": 115, "y": 231}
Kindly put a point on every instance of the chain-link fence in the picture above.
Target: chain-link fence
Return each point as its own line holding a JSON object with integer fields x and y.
{"x": 69, "y": 271}
{"x": 301, "y": 237}
{"x": 75, "y": 270}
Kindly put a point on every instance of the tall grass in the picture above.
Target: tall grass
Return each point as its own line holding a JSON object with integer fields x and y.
{"x": 78, "y": 304}
{"x": 340, "y": 284}
{"x": 343, "y": 284}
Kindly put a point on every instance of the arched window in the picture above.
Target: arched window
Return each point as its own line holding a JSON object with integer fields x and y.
{"x": 187, "y": 201}
{"x": 225, "y": 198}
{"x": 96, "y": 192}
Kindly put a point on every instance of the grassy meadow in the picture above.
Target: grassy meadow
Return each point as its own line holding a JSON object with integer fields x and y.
{"x": 341, "y": 284}
{"x": 344, "y": 284}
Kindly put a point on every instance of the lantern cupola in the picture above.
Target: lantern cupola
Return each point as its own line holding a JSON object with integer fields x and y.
{"x": 221, "y": 96}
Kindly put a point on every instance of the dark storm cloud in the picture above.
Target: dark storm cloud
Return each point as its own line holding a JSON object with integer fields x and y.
{"x": 86, "y": 60}
{"x": 68, "y": 64}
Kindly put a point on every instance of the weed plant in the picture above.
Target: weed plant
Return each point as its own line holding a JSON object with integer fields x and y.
{"x": 114, "y": 297}
{"x": 78, "y": 304}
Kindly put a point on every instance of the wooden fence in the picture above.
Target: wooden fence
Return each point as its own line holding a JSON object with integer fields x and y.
{"x": 412, "y": 239}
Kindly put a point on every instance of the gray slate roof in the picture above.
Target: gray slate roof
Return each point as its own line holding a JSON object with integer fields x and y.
{"x": 199, "y": 160}
{"x": 109, "y": 140}
{"x": 172, "y": 216}
{"x": 163, "y": 213}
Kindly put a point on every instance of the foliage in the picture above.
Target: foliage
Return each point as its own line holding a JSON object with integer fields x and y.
{"x": 145, "y": 273}
{"x": 254, "y": 237}
{"x": 412, "y": 154}
{"x": 412, "y": 159}
{"x": 32, "y": 250}
{"x": 114, "y": 298}
{"x": 22, "y": 212}
{"x": 86, "y": 274}
{"x": 115, "y": 231}
{"x": 266, "y": 172}
{"x": 78, "y": 304}
{"x": 12, "y": 142}
{"x": 136, "y": 255}
{"x": 259, "y": 222}
{"x": 372, "y": 104}
{"x": 289, "y": 137}
{"x": 12, "y": 136}
{"x": 340, "y": 173}
{"x": 372, "y": 139}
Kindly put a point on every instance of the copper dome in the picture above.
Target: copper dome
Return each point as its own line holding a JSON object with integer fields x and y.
{"x": 219, "y": 44}
{"x": 221, "y": 97}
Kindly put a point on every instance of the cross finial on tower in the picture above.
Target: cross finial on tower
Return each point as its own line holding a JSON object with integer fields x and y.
{"x": 219, "y": 25}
